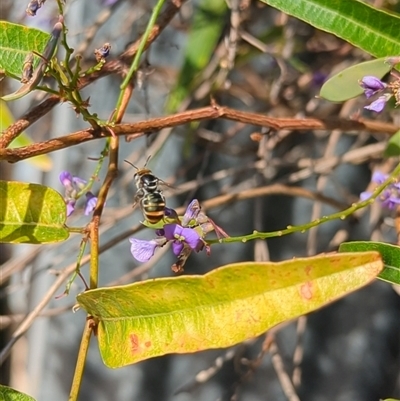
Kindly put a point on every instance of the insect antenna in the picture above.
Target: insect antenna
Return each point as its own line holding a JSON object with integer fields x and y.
{"x": 137, "y": 168}
{"x": 127, "y": 161}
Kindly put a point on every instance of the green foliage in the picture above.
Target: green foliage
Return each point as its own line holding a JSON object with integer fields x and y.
{"x": 222, "y": 308}
{"x": 9, "y": 394}
{"x": 31, "y": 214}
{"x": 231, "y": 303}
{"x": 393, "y": 146}
{"x": 390, "y": 256}
{"x": 37, "y": 74}
{"x": 344, "y": 85}
{"x": 375, "y": 31}
{"x": 16, "y": 42}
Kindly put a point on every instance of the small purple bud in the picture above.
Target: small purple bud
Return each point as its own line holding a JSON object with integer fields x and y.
{"x": 142, "y": 250}
{"x": 191, "y": 213}
{"x": 66, "y": 179}
{"x": 91, "y": 202}
{"x": 171, "y": 214}
{"x": 372, "y": 85}
{"x": 160, "y": 232}
{"x": 32, "y": 7}
{"x": 102, "y": 53}
{"x": 70, "y": 206}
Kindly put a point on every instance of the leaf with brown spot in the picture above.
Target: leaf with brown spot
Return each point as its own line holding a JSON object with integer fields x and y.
{"x": 222, "y": 308}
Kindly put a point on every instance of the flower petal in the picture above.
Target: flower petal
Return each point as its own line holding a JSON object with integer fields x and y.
{"x": 379, "y": 178}
{"x": 378, "y": 105}
{"x": 79, "y": 182}
{"x": 172, "y": 231}
{"x": 191, "y": 237}
{"x": 177, "y": 247}
{"x": 370, "y": 82}
{"x": 70, "y": 207}
{"x": 142, "y": 250}
{"x": 91, "y": 202}
{"x": 391, "y": 202}
{"x": 66, "y": 179}
{"x": 191, "y": 212}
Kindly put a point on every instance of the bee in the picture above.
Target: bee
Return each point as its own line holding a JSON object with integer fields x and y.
{"x": 148, "y": 195}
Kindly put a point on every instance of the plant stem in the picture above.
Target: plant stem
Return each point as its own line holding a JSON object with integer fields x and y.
{"x": 324, "y": 219}
{"x": 80, "y": 363}
{"x": 135, "y": 64}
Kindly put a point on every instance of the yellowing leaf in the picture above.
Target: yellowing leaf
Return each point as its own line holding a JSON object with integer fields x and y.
{"x": 31, "y": 214}
{"x": 222, "y": 308}
{"x": 43, "y": 162}
{"x": 9, "y": 394}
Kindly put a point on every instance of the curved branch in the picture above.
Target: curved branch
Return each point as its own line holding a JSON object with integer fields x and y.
{"x": 206, "y": 113}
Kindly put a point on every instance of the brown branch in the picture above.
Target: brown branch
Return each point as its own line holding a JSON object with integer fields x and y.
{"x": 117, "y": 66}
{"x": 206, "y": 113}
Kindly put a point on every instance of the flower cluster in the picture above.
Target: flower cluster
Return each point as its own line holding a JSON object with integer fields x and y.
{"x": 373, "y": 85}
{"x": 185, "y": 235}
{"x": 74, "y": 187}
{"x": 390, "y": 197}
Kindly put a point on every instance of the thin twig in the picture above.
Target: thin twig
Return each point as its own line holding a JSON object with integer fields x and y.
{"x": 283, "y": 377}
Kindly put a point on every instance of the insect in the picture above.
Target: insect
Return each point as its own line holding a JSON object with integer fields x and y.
{"x": 148, "y": 195}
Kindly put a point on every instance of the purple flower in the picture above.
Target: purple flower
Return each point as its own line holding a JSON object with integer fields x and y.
{"x": 186, "y": 235}
{"x": 390, "y": 197}
{"x": 74, "y": 189}
{"x": 379, "y": 178}
{"x": 192, "y": 212}
{"x": 182, "y": 236}
{"x": 33, "y": 6}
{"x": 372, "y": 85}
{"x": 389, "y": 200}
{"x": 70, "y": 206}
{"x": 379, "y": 104}
{"x": 66, "y": 179}
{"x": 143, "y": 250}
{"x": 91, "y": 201}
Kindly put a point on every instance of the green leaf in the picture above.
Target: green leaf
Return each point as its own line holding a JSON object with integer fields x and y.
{"x": 375, "y": 31}
{"x": 38, "y": 73}
{"x": 344, "y": 85}
{"x": 222, "y": 308}
{"x": 206, "y": 30}
{"x": 42, "y": 162}
{"x": 393, "y": 146}
{"x": 16, "y": 42}
{"x": 31, "y": 214}
{"x": 390, "y": 256}
{"x": 9, "y": 394}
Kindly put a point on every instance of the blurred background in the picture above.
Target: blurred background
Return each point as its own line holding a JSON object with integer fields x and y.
{"x": 247, "y": 56}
